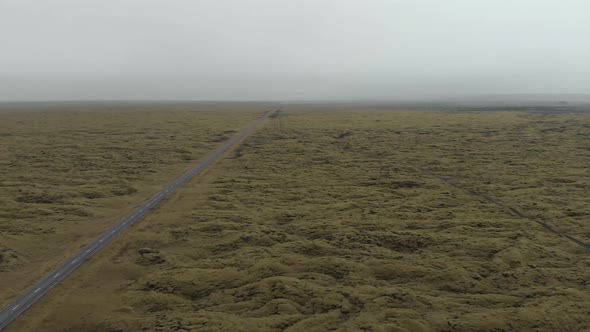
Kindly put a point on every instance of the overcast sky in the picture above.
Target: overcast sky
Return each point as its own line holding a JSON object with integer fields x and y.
{"x": 291, "y": 49}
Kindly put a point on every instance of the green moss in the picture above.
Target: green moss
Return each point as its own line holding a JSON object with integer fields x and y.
{"x": 333, "y": 220}
{"x": 66, "y": 175}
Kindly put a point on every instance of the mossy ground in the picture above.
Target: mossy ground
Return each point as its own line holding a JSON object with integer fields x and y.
{"x": 66, "y": 175}
{"x": 328, "y": 222}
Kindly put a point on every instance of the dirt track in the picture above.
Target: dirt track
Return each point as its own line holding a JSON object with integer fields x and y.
{"x": 514, "y": 211}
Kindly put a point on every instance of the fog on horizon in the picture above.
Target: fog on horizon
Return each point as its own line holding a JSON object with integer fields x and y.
{"x": 290, "y": 50}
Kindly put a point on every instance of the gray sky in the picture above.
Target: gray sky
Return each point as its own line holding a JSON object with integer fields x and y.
{"x": 291, "y": 49}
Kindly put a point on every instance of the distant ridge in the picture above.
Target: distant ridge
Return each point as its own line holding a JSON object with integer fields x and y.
{"x": 445, "y": 101}
{"x": 525, "y": 99}
{"x": 120, "y": 103}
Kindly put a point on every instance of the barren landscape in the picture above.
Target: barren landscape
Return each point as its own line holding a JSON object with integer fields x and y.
{"x": 66, "y": 174}
{"x": 324, "y": 219}
{"x": 297, "y": 166}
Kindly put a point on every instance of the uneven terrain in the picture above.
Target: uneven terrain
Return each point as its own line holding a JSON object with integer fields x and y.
{"x": 65, "y": 175}
{"x": 367, "y": 220}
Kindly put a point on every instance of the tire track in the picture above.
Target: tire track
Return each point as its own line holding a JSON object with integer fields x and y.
{"x": 511, "y": 209}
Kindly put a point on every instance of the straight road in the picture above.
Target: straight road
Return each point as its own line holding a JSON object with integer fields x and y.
{"x": 34, "y": 293}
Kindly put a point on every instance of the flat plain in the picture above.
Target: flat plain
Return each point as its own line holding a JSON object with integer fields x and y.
{"x": 356, "y": 220}
{"x": 65, "y": 175}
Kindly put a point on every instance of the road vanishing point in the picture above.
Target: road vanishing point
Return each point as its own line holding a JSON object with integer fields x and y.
{"x": 19, "y": 305}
